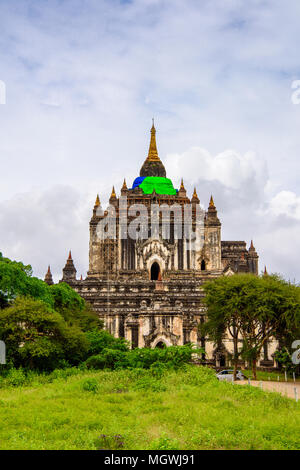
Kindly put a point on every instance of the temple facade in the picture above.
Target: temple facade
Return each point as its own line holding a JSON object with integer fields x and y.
{"x": 147, "y": 288}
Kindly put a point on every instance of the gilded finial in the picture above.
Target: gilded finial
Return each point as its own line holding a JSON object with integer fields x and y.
{"x": 113, "y": 193}
{"x": 211, "y": 202}
{"x": 265, "y": 271}
{"x": 152, "y": 153}
{"x": 182, "y": 185}
{"x": 70, "y": 255}
{"x": 124, "y": 184}
{"x": 195, "y": 195}
{"x": 97, "y": 202}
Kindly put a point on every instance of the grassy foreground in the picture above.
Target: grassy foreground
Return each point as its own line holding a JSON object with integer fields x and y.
{"x": 139, "y": 409}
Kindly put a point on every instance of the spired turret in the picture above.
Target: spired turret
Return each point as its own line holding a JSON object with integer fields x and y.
{"x": 252, "y": 259}
{"x": 153, "y": 166}
{"x": 69, "y": 271}
{"x": 212, "y": 244}
{"x": 48, "y": 277}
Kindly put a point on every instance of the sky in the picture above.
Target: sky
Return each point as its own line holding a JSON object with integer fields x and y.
{"x": 83, "y": 79}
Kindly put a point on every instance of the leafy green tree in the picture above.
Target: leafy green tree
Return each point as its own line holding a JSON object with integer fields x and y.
{"x": 16, "y": 279}
{"x": 73, "y": 308}
{"x": 38, "y": 337}
{"x": 224, "y": 306}
{"x": 273, "y": 311}
{"x": 284, "y": 359}
{"x": 259, "y": 308}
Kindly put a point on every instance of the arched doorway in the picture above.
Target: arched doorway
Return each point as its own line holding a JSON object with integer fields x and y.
{"x": 222, "y": 360}
{"x": 161, "y": 345}
{"x": 203, "y": 266}
{"x": 155, "y": 272}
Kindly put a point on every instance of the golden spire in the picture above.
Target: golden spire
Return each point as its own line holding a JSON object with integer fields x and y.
{"x": 97, "y": 202}
{"x": 113, "y": 193}
{"x": 265, "y": 271}
{"x": 195, "y": 195}
{"x": 124, "y": 185}
{"x": 182, "y": 185}
{"x": 70, "y": 255}
{"x": 153, "y": 154}
{"x": 211, "y": 203}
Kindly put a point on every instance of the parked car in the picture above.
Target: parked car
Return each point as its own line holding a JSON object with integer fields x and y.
{"x": 228, "y": 375}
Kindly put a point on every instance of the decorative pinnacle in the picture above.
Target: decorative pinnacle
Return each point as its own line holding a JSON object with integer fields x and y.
{"x": 70, "y": 255}
{"x": 48, "y": 278}
{"x": 195, "y": 195}
{"x": 152, "y": 153}
{"x": 113, "y": 193}
{"x": 97, "y": 203}
{"x": 211, "y": 203}
{"x": 182, "y": 185}
{"x": 124, "y": 185}
{"x": 265, "y": 271}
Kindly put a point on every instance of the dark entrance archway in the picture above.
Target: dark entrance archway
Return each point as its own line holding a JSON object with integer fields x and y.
{"x": 155, "y": 270}
{"x": 161, "y": 345}
{"x": 222, "y": 360}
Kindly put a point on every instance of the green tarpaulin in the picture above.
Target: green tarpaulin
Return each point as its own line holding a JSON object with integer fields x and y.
{"x": 158, "y": 184}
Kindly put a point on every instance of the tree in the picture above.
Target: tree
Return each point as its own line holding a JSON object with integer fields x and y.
{"x": 16, "y": 279}
{"x": 224, "y": 305}
{"x": 38, "y": 337}
{"x": 73, "y": 308}
{"x": 253, "y": 308}
{"x": 273, "y": 310}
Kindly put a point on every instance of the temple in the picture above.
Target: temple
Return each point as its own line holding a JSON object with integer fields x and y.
{"x": 148, "y": 289}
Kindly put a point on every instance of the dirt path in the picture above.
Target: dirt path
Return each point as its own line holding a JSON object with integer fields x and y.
{"x": 285, "y": 388}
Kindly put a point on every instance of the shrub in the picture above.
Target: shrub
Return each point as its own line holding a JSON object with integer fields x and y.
{"x": 144, "y": 358}
{"x": 90, "y": 385}
{"x": 101, "y": 339}
{"x": 16, "y": 377}
{"x": 109, "y": 359}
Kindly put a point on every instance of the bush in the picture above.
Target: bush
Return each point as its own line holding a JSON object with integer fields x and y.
{"x": 90, "y": 385}
{"x": 109, "y": 359}
{"x": 101, "y": 339}
{"x": 16, "y": 377}
{"x": 158, "y": 360}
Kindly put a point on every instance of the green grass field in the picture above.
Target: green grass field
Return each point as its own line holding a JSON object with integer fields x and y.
{"x": 187, "y": 409}
{"x": 262, "y": 375}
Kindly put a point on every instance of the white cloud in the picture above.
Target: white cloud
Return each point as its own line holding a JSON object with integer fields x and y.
{"x": 83, "y": 81}
{"x": 285, "y": 203}
{"x": 229, "y": 168}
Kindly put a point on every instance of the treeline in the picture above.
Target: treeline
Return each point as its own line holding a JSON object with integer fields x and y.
{"x": 52, "y": 327}
{"x": 253, "y": 310}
